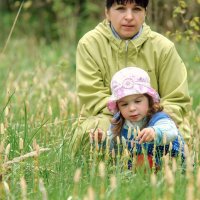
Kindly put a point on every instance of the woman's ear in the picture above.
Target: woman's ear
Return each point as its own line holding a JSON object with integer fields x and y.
{"x": 107, "y": 14}
{"x": 145, "y": 16}
{"x": 146, "y": 12}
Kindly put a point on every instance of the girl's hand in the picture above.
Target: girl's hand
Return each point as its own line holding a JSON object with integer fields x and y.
{"x": 146, "y": 135}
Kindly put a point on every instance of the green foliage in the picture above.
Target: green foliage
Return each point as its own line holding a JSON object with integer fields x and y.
{"x": 39, "y": 105}
{"x": 69, "y": 20}
{"x": 189, "y": 18}
{"x": 53, "y": 19}
{"x": 191, "y": 23}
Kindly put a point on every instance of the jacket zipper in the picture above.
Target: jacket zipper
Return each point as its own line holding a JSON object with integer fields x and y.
{"x": 126, "y": 52}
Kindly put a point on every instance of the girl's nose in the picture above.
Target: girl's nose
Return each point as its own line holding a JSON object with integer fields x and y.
{"x": 132, "y": 107}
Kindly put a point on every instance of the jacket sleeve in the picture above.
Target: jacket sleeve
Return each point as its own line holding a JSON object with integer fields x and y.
{"x": 173, "y": 89}
{"x": 165, "y": 127}
{"x": 92, "y": 91}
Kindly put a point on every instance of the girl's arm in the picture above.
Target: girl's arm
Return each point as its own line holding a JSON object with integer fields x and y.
{"x": 163, "y": 132}
{"x": 166, "y": 131}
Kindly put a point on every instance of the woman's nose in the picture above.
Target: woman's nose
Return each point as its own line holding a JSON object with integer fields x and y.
{"x": 129, "y": 14}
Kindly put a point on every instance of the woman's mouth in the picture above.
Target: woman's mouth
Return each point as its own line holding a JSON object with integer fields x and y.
{"x": 128, "y": 26}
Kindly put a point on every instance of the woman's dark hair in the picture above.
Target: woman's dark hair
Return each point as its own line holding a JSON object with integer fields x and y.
{"x": 153, "y": 108}
{"x": 142, "y": 3}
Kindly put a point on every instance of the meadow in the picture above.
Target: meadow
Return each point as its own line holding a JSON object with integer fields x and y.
{"x": 39, "y": 108}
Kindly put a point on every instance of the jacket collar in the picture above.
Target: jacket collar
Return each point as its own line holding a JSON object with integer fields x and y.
{"x": 140, "y": 124}
{"x": 104, "y": 29}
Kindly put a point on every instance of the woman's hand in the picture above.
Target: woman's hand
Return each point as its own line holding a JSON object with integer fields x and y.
{"x": 96, "y": 135}
{"x": 146, "y": 135}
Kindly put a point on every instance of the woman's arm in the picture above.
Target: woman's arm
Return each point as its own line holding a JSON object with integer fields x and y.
{"x": 173, "y": 89}
{"x": 92, "y": 92}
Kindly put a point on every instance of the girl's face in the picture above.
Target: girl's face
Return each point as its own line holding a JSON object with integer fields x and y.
{"x": 134, "y": 107}
{"x": 126, "y": 19}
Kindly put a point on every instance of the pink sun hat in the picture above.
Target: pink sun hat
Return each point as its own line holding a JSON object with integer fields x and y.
{"x": 129, "y": 81}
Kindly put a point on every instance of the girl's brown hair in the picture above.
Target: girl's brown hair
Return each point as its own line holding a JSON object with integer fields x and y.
{"x": 119, "y": 122}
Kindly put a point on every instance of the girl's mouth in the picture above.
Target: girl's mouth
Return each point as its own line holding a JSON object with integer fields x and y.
{"x": 134, "y": 116}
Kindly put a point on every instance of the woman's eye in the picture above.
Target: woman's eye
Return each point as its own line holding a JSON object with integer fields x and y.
{"x": 120, "y": 8}
{"x": 137, "y": 9}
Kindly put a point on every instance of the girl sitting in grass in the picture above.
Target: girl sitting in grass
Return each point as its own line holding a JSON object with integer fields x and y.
{"x": 136, "y": 106}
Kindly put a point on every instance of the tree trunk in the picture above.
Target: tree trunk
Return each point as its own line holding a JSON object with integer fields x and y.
{"x": 4, "y": 5}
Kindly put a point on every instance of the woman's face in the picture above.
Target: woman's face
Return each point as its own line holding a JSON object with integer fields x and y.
{"x": 126, "y": 19}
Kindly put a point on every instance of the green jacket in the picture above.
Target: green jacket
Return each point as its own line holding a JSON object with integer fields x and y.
{"x": 100, "y": 54}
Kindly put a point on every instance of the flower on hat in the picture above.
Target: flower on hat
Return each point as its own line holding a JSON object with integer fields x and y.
{"x": 129, "y": 81}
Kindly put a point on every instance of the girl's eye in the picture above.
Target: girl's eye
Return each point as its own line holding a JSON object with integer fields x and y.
{"x": 138, "y": 101}
{"x": 124, "y": 104}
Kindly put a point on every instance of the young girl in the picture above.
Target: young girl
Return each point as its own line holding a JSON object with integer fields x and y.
{"x": 135, "y": 104}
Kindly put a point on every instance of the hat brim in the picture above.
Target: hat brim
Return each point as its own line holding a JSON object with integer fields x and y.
{"x": 112, "y": 102}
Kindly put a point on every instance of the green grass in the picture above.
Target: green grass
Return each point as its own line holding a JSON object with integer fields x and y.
{"x": 38, "y": 104}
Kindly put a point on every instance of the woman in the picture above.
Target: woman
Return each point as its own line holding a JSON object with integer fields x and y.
{"x": 123, "y": 39}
